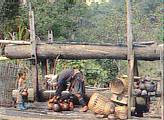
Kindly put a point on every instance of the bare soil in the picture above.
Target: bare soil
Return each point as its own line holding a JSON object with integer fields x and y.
{"x": 38, "y": 111}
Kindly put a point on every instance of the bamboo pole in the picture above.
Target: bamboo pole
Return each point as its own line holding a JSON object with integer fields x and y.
{"x": 130, "y": 57}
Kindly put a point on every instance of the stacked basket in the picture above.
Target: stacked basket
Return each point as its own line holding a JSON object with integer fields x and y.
{"x": 115, "y": 106}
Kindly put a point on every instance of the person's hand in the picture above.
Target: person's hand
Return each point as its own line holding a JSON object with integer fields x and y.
{"x": 51, "y": 100}
{"x": 54, "y": 84}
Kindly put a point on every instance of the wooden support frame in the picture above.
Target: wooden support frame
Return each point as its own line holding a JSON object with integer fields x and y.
{"x": 130, "y": 57}
{"x": 162, "y": 81}
{"x": 44, "y": 71}
{"x": 136, "y": 72}
{"x": 34, "y": 54}
{"x": 51, "y": 66}
{"x": 50, "y": 36}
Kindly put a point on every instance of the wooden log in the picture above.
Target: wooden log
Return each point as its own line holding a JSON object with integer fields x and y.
{"x": 21, "y": 42}
{"x": 67, "y": 51}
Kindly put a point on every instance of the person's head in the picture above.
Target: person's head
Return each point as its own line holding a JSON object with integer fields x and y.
{"x": 22, "y": 75}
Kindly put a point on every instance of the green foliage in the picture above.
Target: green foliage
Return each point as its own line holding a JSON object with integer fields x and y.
{"x": 147, "y": 20}
{"x": 71, "y": 20}
{"x": 60, "y": 17}
{"x": 96, "y": 71}
{"x": 11, "y": 21}
{"x": 8, "y": 10}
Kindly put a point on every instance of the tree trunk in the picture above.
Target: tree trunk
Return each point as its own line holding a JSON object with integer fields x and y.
{"x": 75, "y": 51}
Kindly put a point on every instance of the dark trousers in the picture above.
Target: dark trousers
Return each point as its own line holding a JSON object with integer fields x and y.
{"x": 62, "y": 85}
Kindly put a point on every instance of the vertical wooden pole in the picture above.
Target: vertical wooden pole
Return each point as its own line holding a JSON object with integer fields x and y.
{"x": 51, "y": 65}
{"x": 50, "y": 36}
{"x": 50, "y": 61}
{"x": 44, "y": 70}
{"x": 162, "y": 81}
{"x": 136, "y": 72}
{"x": 34, "y": 54}
{"x": 55, "y": 64}
{"x": 130, "y": 57}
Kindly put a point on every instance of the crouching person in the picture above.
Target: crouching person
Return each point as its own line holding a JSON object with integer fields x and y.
{"x": 22, "y": 91}
{"x": 76, "y": 87}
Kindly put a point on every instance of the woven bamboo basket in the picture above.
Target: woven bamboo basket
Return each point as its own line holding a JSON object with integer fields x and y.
{"x": 125, "y": 83}
{"x": 123, "y": 99}
{"x": 100, "y": 104}
{"x": 121, "y": 112}
{"x": 119, "y": 86}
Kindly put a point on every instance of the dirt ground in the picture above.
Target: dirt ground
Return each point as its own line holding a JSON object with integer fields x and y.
{"x": 38, "y": 111}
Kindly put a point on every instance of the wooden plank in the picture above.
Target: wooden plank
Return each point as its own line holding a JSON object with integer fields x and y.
{"x": 34, "y": 55}
{"x": 130, "y": 57}
{"x": 18, "y": 42}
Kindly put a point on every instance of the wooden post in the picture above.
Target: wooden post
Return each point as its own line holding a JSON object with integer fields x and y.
{"x": 130, "y": 57}
{"x": 50, "y": 36}
{"x": 51, "y": 65}
{"x": 44, "y": 67}
{"x": 55, "y": 64}
{"x": 34, "y": 54}
{"x": 44, "y": 71}
{"x": 162, "y": 81}
{"x": 136, "y": 72}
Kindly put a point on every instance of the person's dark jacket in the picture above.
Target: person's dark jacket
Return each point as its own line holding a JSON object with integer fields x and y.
{"x": 66, "y": 75}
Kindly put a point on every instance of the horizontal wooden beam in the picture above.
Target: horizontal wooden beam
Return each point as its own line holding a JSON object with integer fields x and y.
{"x": 19, "y": 42}
{"x": 78, "y": 51}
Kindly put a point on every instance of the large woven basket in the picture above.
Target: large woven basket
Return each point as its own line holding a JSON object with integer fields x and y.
{"x": 100, "y": 104}
{"x": 121, "y": 112}
{"x": 119, "y": 86}
{"x": 123, "y": 99}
